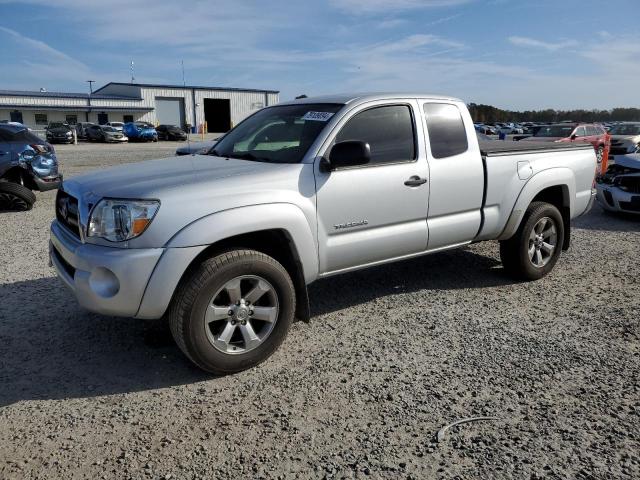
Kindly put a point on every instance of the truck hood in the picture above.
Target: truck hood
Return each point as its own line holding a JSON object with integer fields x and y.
{"x": 541, "y": 139}
{"x": 626, "y": 138}
{"x": 154, "y": 178}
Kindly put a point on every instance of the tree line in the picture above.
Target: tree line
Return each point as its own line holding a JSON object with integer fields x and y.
{"x": 489, "y": 113}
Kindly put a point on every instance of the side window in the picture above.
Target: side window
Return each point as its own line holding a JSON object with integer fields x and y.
{"x": 388, "y": 130}
{"x": 447, "y": 134}
{"x": 580, "y": 132}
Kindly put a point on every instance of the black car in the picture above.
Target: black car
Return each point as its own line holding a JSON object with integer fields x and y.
{"x": 26, "y": 163}
{"x": 59, "y": 132}
{"x": 170, "y": 132}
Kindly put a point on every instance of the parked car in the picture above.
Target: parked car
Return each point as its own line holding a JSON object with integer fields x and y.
{"x": 170, "y": 132}
{"x": 566, "y": 132}
{"x": 140, "y": 132}
{"x": 27, "y": 163}
{"x": 625, "y": 139}
{"x": 224, "y": 245}
{"x": 59, "y": 132}
{"x": 117, "y": 125}
{"x": 105, "y": 133}
{"x": 81, "y": 128}
{"x": 193, "y": 148}
{"x": 619, "y": 188}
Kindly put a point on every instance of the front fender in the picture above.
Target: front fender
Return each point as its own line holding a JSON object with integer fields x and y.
{"x": 253, "y": 218}
{"x": 551, "y": 177}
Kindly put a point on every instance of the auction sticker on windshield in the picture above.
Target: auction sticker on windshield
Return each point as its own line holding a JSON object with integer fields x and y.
{"x": 318, "y": 116}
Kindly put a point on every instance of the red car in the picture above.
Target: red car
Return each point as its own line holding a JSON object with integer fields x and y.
{"x": 592, "y": 133}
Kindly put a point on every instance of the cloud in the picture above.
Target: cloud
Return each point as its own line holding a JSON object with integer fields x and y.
{"x": 43, "y": 48}
{"x": 380, "y": 6}
{"x": 533, "y": 43}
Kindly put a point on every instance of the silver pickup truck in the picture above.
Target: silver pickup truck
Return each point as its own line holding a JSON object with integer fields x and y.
{"x": 224, "y": 244}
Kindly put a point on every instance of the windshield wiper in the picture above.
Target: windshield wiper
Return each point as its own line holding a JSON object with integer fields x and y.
{"x": 247, "y": 156}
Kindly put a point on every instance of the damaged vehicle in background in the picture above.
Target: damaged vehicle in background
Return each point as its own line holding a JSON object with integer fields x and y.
{"x": 625, "y": 139}
{"x": 618, "y": 190}
{"x": 105, "y": 133}
{"x": 140, "y": 132}
{"x": 26, "y": 163}
{"x": 170, "y": 132}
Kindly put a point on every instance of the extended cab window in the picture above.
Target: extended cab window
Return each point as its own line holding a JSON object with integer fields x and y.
{"x": 447, "y": 134}
{"x": 388, "y": 130}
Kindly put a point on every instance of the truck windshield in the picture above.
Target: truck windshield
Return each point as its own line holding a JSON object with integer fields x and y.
{"x": 280, "y": 134}
{"x": 628, "y": 129}
{"x": 555, "y": 131}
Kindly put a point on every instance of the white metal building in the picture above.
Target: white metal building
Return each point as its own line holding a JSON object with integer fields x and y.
{"x": 220, "y": 108}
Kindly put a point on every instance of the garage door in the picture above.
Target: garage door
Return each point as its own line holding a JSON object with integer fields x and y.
{"x": 170, "y": 111}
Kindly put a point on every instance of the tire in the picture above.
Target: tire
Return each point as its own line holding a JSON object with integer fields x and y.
{"x": 15, "y": 197}
{"x": 214, "y": 338}
{"x": 516, "y": 253}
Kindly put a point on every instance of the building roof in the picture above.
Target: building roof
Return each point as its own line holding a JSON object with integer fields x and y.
{"x": 26, "y": 93}
{"x": 187, "y": 87}
{"x": 75, "y": 108}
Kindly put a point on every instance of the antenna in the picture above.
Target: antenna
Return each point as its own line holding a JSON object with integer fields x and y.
{"x": 90, "y": 82}
{"x": 133, "y": 78}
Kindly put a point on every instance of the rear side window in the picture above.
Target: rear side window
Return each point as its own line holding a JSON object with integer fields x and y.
{"x": 447, "y": 134}
{"x": 388, "y": 130}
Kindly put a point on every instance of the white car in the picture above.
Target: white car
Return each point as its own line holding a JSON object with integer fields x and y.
{"x": 117, "y": 125}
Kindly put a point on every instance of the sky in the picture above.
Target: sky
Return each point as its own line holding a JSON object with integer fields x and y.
{"x": 514, "y": 54}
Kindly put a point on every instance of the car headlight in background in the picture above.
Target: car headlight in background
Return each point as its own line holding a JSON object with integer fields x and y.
{"x": 119, "y": 220}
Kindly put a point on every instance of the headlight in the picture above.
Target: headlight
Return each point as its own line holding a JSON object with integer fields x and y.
{"x": 120, "y": 220}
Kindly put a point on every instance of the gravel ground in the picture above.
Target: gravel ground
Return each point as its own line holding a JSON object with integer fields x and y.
{"x": 391, "y": 355}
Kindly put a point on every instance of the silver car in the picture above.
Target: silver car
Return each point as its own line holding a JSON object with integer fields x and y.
{"x": 625, "y": 139}
{"x": 618, "y": 190}
{"x": 113, "y": 135}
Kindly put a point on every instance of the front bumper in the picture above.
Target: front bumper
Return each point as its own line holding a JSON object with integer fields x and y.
{"x": 105, "y": 280}
{"x": 49, "y": 183}
{"x": 613, "y": 199}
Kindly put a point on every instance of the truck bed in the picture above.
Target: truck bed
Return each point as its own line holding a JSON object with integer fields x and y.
{"x": 498, "y": 147}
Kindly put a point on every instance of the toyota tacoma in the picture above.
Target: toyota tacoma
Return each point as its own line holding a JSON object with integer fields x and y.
{"x": 224, "y": 245}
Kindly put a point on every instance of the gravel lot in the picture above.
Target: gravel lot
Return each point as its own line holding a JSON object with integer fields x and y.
{"x": 391, "y": 355}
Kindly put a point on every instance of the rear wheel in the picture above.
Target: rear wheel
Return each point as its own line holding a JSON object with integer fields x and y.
{"x": 15, "y": 197}
{"x": 535, "y": 248}
{"x": 233, "y": 311}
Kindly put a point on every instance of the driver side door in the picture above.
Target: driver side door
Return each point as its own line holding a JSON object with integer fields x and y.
{"x": 376, "y": 212}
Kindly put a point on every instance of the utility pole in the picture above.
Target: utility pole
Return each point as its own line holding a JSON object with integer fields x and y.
{"x": 90, "y": 82}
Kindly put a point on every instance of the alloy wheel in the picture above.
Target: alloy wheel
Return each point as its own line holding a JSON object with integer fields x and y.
{"x": 241, "y": 315}
{"x": 542, "y": 242}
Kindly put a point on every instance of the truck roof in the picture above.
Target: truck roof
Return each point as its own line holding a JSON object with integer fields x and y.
{"x": 345, "y": 98}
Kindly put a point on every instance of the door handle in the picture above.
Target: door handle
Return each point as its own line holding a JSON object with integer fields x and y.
{"x": 415, "y": 181}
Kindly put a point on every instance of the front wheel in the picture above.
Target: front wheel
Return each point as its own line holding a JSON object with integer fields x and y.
{"x": 15, "y": 197}
{"x": 535, "y": 248}
{"x": 233, "y": 311}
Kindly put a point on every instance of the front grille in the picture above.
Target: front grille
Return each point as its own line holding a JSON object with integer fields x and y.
{"x": 631, "y": 184}
{"x": 632, "y": 206}
{"x": 67, "y": 212}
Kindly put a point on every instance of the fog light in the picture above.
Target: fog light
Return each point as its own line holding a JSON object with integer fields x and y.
{"x": 104, "y": 282}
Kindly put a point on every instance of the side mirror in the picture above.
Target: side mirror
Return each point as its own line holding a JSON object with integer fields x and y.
{"x": 574, "y": 136}
{"x": 349, "y": 154}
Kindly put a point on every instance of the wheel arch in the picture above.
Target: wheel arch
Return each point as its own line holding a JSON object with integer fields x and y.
{"x": 278, "y": 230}
{"x": 555, "y": 186}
